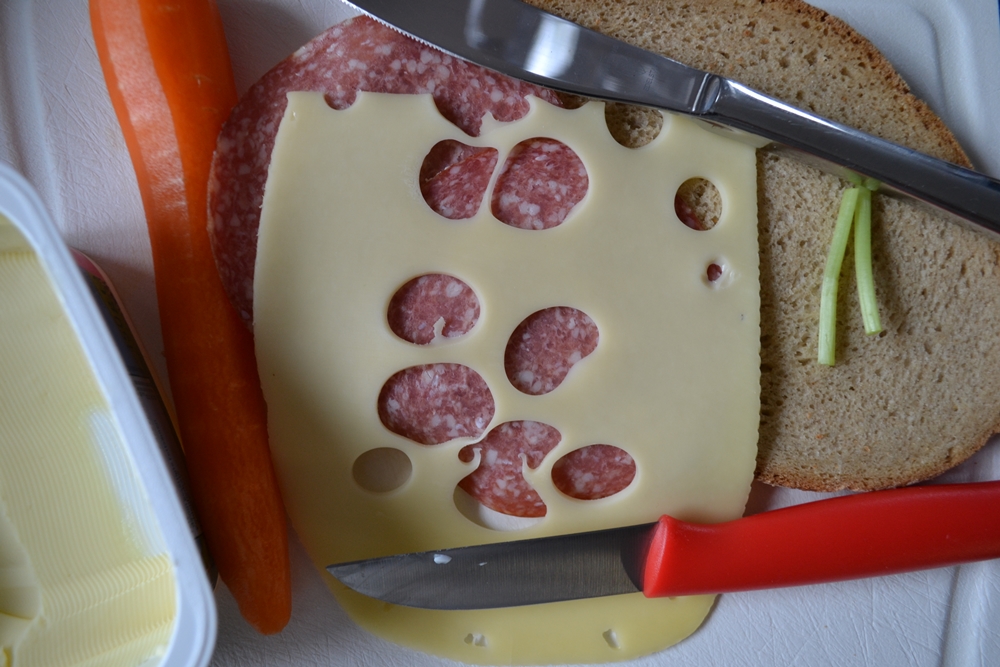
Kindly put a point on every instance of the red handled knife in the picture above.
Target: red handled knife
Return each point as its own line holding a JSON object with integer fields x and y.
{"x": 849, "y": 537}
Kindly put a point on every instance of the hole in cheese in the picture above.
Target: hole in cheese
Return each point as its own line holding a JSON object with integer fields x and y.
{"x": 540, "y": 183}
{"x": 545, "y": 346}
{"x": 594, "y": 472}
{"x": 435, "y": 403}
{"x": 481, "y": 515}
{"x": 382, "y": 469}
{"x": 431, "y": 305}
{"x": 632, "y": 126}
{"x": 498, "y": 482}
{"x": 454, "y": 177}
{"x": 713, "y": 272}
{"x": 718, "y": 273}
{"x": 698, "y": 204}
{"x": 475, "y": 639}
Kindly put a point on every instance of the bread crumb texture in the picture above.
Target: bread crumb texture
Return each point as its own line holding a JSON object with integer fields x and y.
{"x": 899, "y": 407}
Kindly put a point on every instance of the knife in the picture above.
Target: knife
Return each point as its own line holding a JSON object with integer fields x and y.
{"x": 527, "y": 43}
{"x": 848, "y": 537}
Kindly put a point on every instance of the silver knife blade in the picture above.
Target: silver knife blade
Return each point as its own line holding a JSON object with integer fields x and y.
{"x": 527, "y": 43}
{"x": 524, "y": 572}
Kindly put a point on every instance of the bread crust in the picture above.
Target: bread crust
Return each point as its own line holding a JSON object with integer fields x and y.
{"x": 899, "y": 407}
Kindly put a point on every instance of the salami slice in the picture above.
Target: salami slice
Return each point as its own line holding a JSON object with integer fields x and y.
{"x": 454, "y": 178}
{"x": 432, "y": 305}
{"x": 359, "y": 54}
{"x": 545, "y": 347}
{"x": 498, "y": 482}
{"x": 593, "y": 472}
{"x": 436, "y": 403}
{"x": 540, "y": 183}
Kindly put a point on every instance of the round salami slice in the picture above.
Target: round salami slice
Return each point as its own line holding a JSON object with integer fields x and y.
{"x": 359, "y": 54}
{"x": 593, "y": 472}
{"x": 540, "y": 183}
{"x": 430, "y": 306}
{"x": 454, "y": 178}
{"x": 545, "y": 347}
{"x": 436, "y": 403}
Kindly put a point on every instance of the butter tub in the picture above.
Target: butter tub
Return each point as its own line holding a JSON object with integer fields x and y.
{"x": 98, "y": 564}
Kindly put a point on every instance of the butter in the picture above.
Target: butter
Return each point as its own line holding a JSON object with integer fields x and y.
{"x": 84, "y": 576}
{"x": 674, "y": 380}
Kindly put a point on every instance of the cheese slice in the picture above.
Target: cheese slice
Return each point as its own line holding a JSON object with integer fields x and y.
{"x": 84, "y": 576}
{"x": 674, "y": 380}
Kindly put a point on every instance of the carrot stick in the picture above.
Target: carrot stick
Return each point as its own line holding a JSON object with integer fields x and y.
{"x": 167, "y": 69}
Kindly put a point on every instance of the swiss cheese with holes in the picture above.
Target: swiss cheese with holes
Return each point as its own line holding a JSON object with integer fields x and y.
{"x": 673, "y": 381}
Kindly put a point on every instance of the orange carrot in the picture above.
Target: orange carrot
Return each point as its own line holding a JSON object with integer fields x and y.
{"x": 167, "y": 69}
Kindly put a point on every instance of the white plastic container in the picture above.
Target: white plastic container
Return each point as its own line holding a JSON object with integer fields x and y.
{"x": 194, "y": 630}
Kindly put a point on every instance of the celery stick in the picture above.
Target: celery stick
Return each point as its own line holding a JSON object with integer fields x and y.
{"x": 863, "y": 262}
{"x": 831, "y": 277}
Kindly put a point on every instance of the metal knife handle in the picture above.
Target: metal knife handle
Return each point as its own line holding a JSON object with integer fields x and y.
{"x": 970, "y": 196}
{"x": 850, "y": 537}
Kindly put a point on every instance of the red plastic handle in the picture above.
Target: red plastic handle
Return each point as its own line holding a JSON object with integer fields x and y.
{"x": 850, "y": 537}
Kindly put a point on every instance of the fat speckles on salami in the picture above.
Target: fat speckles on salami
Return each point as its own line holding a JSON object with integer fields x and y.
{"x": 430, "y": 306}
{"x": 454, "y": 177}
{"x": 545, "y": 347}
{"x": 540, "y": 183}
{"x": 498, "y": 482}
{"x": 436, "y": 403}
{"x": 359, "y": 54}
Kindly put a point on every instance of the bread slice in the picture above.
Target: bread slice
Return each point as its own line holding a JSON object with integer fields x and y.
{"x": 898, "y": 407}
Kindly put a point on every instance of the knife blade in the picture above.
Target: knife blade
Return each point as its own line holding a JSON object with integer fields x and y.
{"x": 849, "y": 537}
{"x": 526, "y": 43}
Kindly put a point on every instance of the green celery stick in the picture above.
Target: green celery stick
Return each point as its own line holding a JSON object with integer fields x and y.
{"x": 831, "y": 277}
{"x": 863, "y": 262}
